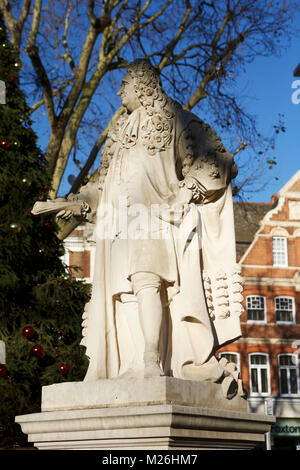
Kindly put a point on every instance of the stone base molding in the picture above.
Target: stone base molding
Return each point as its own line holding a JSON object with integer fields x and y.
{"x": 172, "y": 414}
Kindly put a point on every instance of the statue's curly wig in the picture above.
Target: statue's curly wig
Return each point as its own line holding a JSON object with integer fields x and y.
{"x": 156, "y": 130}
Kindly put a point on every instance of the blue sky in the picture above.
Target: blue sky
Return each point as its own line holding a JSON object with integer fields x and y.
{"x": 269, "y": 81}
{"x": 268, "y": 84}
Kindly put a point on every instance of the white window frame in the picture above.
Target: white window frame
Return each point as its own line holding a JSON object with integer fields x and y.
{"x": 259, "y": 367}
{"x": 284, "y": 252}
{"x": 233, "y": 353}
{"x": 285, "y": 322}
{"x": 264, "y": 321}
{"x": 295, "y": 367}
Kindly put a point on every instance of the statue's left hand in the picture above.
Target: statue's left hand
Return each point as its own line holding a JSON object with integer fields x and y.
{"x": 64, "y": 214}
{"x": 183, "y": 196}
{"x": 178, "y": 206}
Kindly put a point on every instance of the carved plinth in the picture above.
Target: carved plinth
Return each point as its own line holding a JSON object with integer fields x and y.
{"x": 153, "y": 413}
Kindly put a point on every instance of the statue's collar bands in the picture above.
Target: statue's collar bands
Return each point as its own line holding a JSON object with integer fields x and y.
{"x": 155, "y": 132}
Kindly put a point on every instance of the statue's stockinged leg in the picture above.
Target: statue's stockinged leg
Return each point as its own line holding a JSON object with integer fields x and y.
{"x": 146, "y": 287}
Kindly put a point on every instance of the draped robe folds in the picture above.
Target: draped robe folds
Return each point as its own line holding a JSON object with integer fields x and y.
{"x": 191, "y": 256}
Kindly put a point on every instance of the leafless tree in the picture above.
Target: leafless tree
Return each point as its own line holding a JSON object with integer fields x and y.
{"x": 73, "y": 53}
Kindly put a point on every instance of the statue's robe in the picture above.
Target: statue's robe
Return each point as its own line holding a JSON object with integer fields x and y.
{"x": 194, "y": 254}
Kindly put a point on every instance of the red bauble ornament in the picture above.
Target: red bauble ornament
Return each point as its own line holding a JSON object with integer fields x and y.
{"x": 28, "y": 332}
{"x": 48, "y": 225}
{"x": 14, "y": 80}
{"x": 45, "y": 189}
{"x": 37, "y": 350}
{"x": 3, "y": 370}
{"x": 4, "y": 144}
{"x": 64, "y": 369}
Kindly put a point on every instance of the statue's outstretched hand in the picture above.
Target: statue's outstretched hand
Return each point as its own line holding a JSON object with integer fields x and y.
{"x": 78, "y": 209}
{"x": 65, "y": 214}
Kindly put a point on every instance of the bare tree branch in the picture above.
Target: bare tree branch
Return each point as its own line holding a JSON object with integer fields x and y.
{"x": 210, "y": 73}
{"x": 40, "y": 70}
{"x": 239, "y": 148}
{"x": 156, "y": 15}
{"x": 15, "y": 27}
{"x": 98, "y": 23}
{"x": 94, "y": 152}
{"x": 88, "y": 91}
{"x": 56, "y": 91}
{"x": 35, "y": 23}
{"x": 196, "y": 44}
{"x": 169, "y": 49}
{"x": 67, "y": 56}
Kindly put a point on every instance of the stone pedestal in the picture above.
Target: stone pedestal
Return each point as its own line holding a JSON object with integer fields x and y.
{"x": 153, "y": 413}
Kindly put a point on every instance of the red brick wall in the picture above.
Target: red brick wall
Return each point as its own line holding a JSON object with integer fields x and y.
{"x": 80, "y": 260}
{"x": 273, "y": 350}
{"x": 270, "y": 292}
{"x": 283, "y": 214}
{"x": 260, "y": 252}
{"x": 297, "y": 251}
{"x": 270, "y": 338}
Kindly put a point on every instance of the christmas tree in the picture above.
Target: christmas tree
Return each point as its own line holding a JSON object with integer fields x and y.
{"x": 40, "y": 304}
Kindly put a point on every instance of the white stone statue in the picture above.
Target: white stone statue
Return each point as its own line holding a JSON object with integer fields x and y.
{"x": 166, "y": 288}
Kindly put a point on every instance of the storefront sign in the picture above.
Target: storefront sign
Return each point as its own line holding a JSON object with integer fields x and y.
{"x": 285, "y": 428}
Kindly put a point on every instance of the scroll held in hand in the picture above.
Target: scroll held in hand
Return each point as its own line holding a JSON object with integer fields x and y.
{"x": 77, "y": 208}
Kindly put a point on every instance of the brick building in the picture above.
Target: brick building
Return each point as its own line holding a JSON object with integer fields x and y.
{"x": 268, "y": 249}
{"x": 79, "y": 255}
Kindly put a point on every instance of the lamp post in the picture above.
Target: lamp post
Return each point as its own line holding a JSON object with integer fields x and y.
{"x": 269, "y": 410}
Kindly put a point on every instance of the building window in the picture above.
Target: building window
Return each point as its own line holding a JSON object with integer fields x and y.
{"x": 285, "y": 309}
{"x": 259, "y": 374}
{"x": 232, "y": 357}
{"x": 288, "y": 374}
{"x": 279, "y": 251}
{"x": 256, "y": 308}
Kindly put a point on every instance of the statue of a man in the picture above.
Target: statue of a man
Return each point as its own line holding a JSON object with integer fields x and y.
{"x": 166, "y": 289}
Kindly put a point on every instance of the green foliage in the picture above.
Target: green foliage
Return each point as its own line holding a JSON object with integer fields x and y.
{"x": 34, "y": 287}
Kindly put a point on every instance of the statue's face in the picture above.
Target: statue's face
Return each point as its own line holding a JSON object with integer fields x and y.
{"x": 128, "y": 95}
